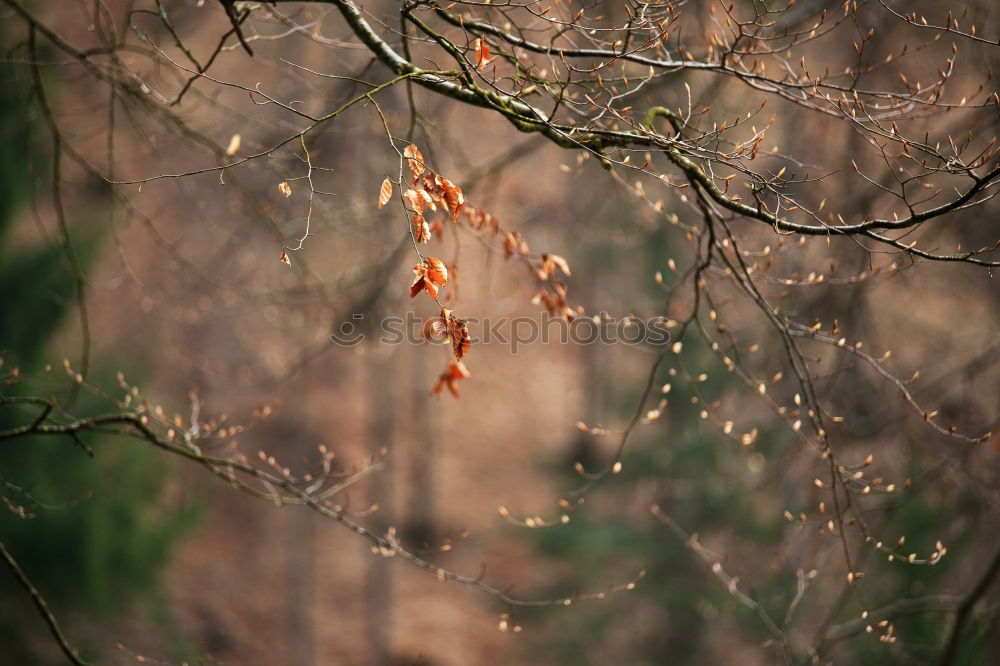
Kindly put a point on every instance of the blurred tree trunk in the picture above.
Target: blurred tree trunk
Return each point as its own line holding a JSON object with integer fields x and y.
{"x": 301, "y": 581}
{"x": 421, "y": 519}
{"x": 378, "y": 607}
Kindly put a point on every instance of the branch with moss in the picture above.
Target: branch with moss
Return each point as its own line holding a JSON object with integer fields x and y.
{"x": 530, "y": 119}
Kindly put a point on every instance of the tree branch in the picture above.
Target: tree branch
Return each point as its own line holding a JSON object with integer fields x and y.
{"x": 43, "y": 608}
{"x": 965, "y": 608}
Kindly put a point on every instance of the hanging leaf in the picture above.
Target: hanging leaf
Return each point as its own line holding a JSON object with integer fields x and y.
{"x": 513, "y": 243}
{"x": 436, "y": 328}
{"x": 285, "y": 189}
{"x": 421, "y": 232}
{"x": 458, "y": 331}
{"x": 430, "y": 275}
{"x": 436, "y": 271}
{"x": 549, "y": 264}
{"x": 554, "y": 301}
{"x": 420, "y": 282}
{"x": 454, "y": 199}
{"x": 561, "y": 263}
{"x": 234, "y": 145}
{"x": 482, "y": 54}
{"x": 449, "y": 378}
{"x": 284, "y": 258}
{"x": 414, "y": 160}
{"x": 481, "y": 220}
{"x": 428, "y": 199}
{"x": 415, "y": 199}
{"x": 384, "y": 193}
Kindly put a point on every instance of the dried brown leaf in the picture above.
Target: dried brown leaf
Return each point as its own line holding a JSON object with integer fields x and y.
{"x": 384, "y": 193}
{"x": 415, "y": 161}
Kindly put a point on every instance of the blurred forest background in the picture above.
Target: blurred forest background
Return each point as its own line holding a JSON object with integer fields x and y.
{"x": 172, "y": 292}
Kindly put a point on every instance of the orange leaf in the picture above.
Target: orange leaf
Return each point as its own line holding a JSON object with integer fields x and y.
{"x": 284, "y": 258}
{"x": 234, "y": 145}
{"x": 285, "y": 189}
{"x": 436, "y": 271}
{"x": 449, "y": 378}
{"x": 555, "y": 301}
{"x": 482, "y": 54}
{"x": 414, "y": 160}
{"x": 550, "y": 262}
{"x": 430, "y": 274}
{"x": 454, "y": 198}
{"x": 480, "y": 219}
{"x": 385, "y": 193}
{"x": 415, "y": 199}
{"x": 458, "y": 330}
{"x": 435, "y": 329}
{"x": 513, "y": 243}
{"x": 418, "y": 282}
{"x": 421, "y": 231}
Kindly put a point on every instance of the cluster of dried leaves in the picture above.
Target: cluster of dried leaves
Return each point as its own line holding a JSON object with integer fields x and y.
{"x": 429, "y": 191}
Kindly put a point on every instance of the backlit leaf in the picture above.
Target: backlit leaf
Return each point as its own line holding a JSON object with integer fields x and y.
{"x": 234, "y": 145}
{"x": 414, "y": 160}
{"x": 384, "y": 193}
{"x": 482, "y": 54}
{"x": 449, "y": 378}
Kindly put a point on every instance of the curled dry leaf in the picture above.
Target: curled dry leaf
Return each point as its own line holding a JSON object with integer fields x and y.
{"x": 284, "y": 258}
{"x": 436, "y": 271}
{"x": 384, "y": 193}
{"x": 430, "y": 275}
{"x": 554, "y": 298}
{"x": 435, "y": 328}
{"x": 427, "y": 198}
{"x": 453, "y": 198}
{"x": 234, "y": 145}
{"x": 458, "y": 331}
{"x": 285, "y": 189}
{"x": 432, "y": 189}
{"x": 482, "y": 54}
{"x": 449, "y": 378}
{"x": 481, "y": 220}
{"x": 421, "y": 232}
{"x": 513, "y": 243}
{"x": 415, "y": 200}
{"x": 414, "y": 160}
{"x": 438, "y": 191}
{"x": 552, "y": 261}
